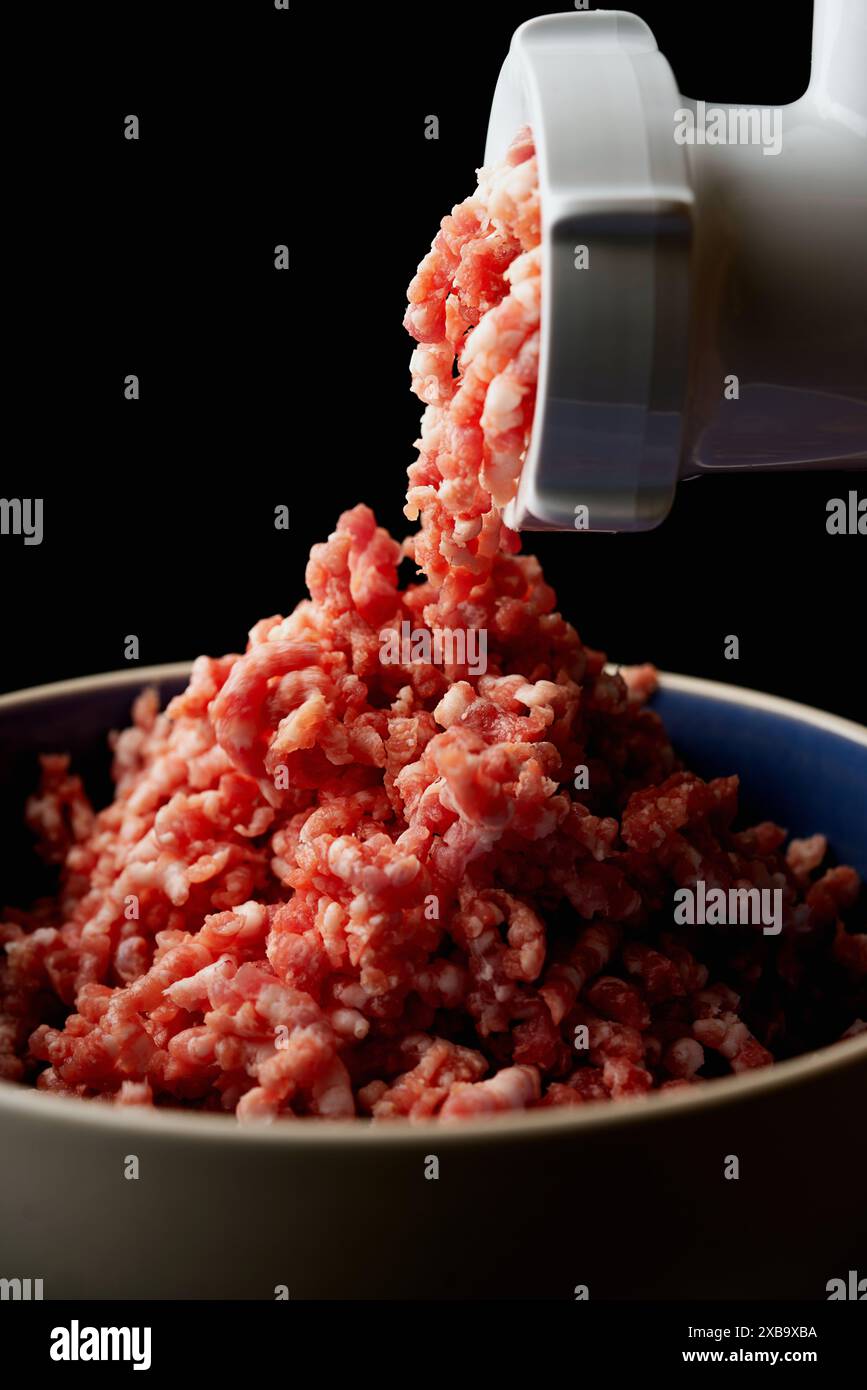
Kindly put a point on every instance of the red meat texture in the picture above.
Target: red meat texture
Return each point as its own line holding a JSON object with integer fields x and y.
{"x": 335, "y": 886}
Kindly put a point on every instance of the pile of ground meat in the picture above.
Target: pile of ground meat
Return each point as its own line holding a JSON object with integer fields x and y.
{"x": 333, "y": 885}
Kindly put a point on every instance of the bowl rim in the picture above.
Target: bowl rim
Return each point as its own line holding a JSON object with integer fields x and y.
{"x": 186, "y": 1126}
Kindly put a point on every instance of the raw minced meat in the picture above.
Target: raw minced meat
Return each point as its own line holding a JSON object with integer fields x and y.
{"x": 333, "y": 885}
{"x": 474, "y": 309}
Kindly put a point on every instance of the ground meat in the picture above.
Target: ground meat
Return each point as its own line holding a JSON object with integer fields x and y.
{"x": 335, "y": 885}
{"x": 474, "y": 309}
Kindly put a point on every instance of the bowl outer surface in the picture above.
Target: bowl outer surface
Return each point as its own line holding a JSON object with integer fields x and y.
{"x": 633, "y": 1205}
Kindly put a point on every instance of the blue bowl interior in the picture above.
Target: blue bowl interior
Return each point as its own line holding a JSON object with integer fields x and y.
{"x": 805, "y": 778}
{"x": 77, "y": 723}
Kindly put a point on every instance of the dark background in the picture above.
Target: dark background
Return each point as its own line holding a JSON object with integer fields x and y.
{"x": 259, "y": 387}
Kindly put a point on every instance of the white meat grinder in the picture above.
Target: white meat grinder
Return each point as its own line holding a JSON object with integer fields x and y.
{"x": 717, "y": 316}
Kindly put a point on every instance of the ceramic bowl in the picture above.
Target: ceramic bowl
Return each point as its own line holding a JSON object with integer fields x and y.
{"x": 629, "y": 1200}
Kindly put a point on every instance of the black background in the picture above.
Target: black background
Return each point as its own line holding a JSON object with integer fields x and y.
{"x": 258, "y": 387}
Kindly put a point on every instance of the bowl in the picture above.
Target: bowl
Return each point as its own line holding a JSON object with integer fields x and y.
{"x": 627, "y": 1201}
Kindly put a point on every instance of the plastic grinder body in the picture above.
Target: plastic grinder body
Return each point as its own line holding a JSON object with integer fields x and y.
{"x": 704, "y": 268}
